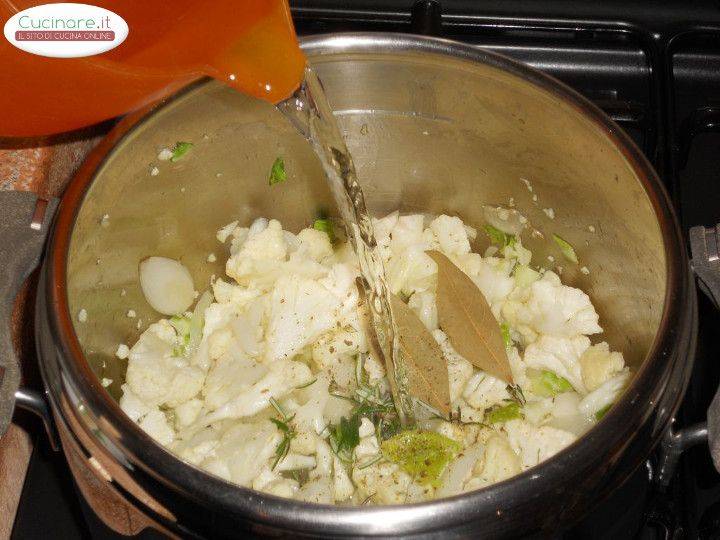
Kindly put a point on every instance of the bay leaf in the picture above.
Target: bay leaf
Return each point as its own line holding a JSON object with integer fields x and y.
{"x": 421, "y": 358}
{"x": 465, "y": 316}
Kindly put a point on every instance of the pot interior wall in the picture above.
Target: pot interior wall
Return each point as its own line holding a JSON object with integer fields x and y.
{"x": 428, "y": 133}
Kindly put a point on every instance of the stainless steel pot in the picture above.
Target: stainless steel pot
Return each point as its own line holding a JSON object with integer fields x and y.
{"x": 434, "y": 126}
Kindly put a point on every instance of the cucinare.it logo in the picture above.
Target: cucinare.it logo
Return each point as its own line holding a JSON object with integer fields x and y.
{"x": 66, "y": 30}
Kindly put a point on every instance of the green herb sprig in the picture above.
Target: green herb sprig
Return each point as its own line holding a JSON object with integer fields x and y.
{"x": 287, "y": 431}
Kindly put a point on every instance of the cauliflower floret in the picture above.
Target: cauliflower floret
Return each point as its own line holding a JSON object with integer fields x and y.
{"x": 498, "y": 463}
{"x": 483, "y": 391}
{"x": 227, "y": 293}
{"x": 156, "y": 425}
{"x": 282, "y": 377}
{"x": 328, "y": 349}
{"x": 343, "y": 487}
{"x": 315, "y": 243}
{"x": 154, "y": 375}
{"x": 553, "y": 308}
{"x": 386, "y": 481}
{"x": 598, "y": 364}
{"x": 229, "y": 377}
{"x": 410, "y": 271}
{"x": 187, "y": 413}
{"x": 459, "y": 369}
{"x": 535, "y": 444}
{"x": 407, "y": 233}
{"x": 493, "y": 279}
{"x": 318, "y": 490}
{"x": 309, "y": 416}
{"x": 383, "y": 228}
{"x": 451, "y": 234}
{"x": 132, "y": 405}
{"x": 244, "y": 450}
{"x": 198, "y": 447}
{"x": 300, "y": 311}
{"x": 559, "y": 355}
{"x": 424, "y": 305}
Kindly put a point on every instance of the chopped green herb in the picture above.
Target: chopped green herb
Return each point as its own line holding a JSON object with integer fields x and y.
{"x": 499, "y": 237}
{"x": 288, "y": 433}
{"x": 503, "y": 413}
{"x": 422, "y": 454}
{"x": 602, "y": 412}
{"x": 566, "y": 248}
{"x": 505, "y": 330}
{"x": 179, "y": 150}
{"x": 345, "y": 436}
{"x": 277, "y": 172}
{"x": 524, "y": 275}
{"x": 326, "y": 226}
{"x": 367, "y": 464}
{"x": 545, "y": 383}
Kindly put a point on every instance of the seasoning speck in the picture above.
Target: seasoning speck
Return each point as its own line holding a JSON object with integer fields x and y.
{"x": 82, "y": 315}
{"x": 154, "y": 171}
{"x": 106, "y": 382}
{"x": 211, "y": 258}
{"x": 122, "y": 351}
{"x": 549, "y": 212}
{"x": 123, "y": 292}
{"x": 131, "y": 313}
{"x": 585, "y": 270}
{"x": 105, "y": 220}
{"x": 591, "y": 228}
{"x": 164, "y": 155}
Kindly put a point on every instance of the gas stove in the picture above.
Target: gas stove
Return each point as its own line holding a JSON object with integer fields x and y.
{"x": 654, "y": 67}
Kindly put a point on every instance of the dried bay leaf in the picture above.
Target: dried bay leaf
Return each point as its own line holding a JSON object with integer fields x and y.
{"x": 465, "y": 316}
{"x": 422, "y": 358}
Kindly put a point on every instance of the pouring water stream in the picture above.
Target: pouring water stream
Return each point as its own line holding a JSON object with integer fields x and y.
{"x": 311, "y": 114}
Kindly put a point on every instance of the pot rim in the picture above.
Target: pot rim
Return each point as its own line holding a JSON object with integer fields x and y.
{"x": 141, "y": 451}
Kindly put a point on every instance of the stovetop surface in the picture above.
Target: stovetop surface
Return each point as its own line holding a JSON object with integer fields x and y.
{"x": 654, "y": 67}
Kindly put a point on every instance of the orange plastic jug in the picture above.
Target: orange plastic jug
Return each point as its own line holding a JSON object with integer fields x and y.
{"x": 248, "y": 44}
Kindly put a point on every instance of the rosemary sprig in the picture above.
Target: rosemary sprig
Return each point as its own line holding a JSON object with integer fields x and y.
{"x": 288, "y": 432}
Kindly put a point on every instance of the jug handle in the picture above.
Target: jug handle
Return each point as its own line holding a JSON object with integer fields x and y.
{"x": 24, "y": 225}
{"x": 705, "y": 263}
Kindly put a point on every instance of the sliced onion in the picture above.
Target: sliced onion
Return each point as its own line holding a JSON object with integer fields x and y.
{"x": 459, "y": 471}
{"x": 198, "y": 321}
{"x": 167, "y": 285}
{"x": 508, "y": 220}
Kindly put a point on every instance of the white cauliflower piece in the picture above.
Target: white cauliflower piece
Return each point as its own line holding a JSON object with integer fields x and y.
{"x": 553, "y": 308}
{"x": 559, "y": 355}
{"x": 156, "y": 425}
{"x": 132, "y": 405}
{"x": 424, "y": 305}
{"x": 411, "y": 271}
{"x": 386, "y": 480}
{"x": 598, "y": 364}
{"x": 459, "y": 369}
{"x": 300, "y": 310}
{"x": 451, "y": 234}
{"x": 187, "y": 413}
{"x": 499, "y": 462}
{"x": 154, "y": 375}
{"x": 343, "y": 487}
{"x": 227, "y": 293}
{"x": 316, "y": 244}
{"x": 229, "y": 377}
{"x": 244, "y": 450}
{"x": 483, "y": 391}
{"x": 282, "y": 377}
{"x": 199, "y": 447}
{"x": 408, "y": 232}
{"x": 383, "y": 228}
{"x": 318, "y": 490}
{"x": 493, "y": 279}
{"x": 309, "y": 416}
{"x": 535, "y": 444}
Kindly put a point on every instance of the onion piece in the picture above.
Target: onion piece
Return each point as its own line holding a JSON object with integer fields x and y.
{"x": 459, "y": 471}
{"x": 167, "y": 285}
{"x": 198, "y": 321}
{"x": 508, "y": 220}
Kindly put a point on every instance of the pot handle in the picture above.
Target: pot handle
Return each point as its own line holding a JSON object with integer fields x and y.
{"x": 705, "y": 249}
{"x": 24, "y": 226}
